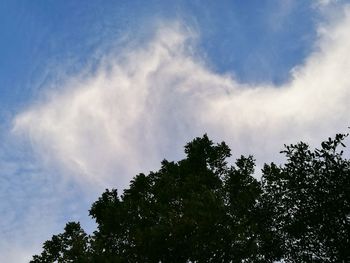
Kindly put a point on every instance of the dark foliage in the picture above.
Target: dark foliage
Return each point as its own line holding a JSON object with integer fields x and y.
{"x": 200, "y": 209}
{"x": 308, "y": 201}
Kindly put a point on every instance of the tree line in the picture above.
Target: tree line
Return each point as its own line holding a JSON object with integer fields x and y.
{"x": 201, "y": 209}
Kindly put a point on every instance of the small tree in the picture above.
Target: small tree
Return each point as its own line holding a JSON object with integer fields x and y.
{"x": 70, "y": 246}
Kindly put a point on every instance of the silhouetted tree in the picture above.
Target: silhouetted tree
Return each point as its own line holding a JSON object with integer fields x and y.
{"x": 70, "y": 246}
{"x": 201, "y": 209}
{"x": 187, "y": 211}
{"x": 308, "y": 200}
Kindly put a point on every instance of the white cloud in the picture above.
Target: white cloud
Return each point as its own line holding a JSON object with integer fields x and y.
{"x": 144, "y": 105}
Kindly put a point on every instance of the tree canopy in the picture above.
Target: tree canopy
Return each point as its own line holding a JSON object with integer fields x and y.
{"x": 201, "y": 209}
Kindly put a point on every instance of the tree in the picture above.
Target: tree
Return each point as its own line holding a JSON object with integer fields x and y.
{"x": 201, "y": 209}
{"x": 187, "y": 211}
{"x": 308, "y": 199}
{"x": 71, "y": 246}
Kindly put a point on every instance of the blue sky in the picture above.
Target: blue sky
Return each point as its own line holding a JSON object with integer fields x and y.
{"x": 37, "y": 35}
{"x": 93, "y": 92}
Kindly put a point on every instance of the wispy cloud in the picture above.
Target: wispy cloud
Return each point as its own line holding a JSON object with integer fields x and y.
{"x": 323, "y": 3}
{"x": 141, "y": 106}
{"x": 35, "y": 202}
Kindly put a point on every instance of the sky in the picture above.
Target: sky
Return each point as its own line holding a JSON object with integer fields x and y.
{"x": 94, "y": 92}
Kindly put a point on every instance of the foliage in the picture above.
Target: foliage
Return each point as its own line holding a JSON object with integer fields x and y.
{"x": 201, "y": 209}
{"x": 71, "y": 246}
{"x": 308, "y": 201}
